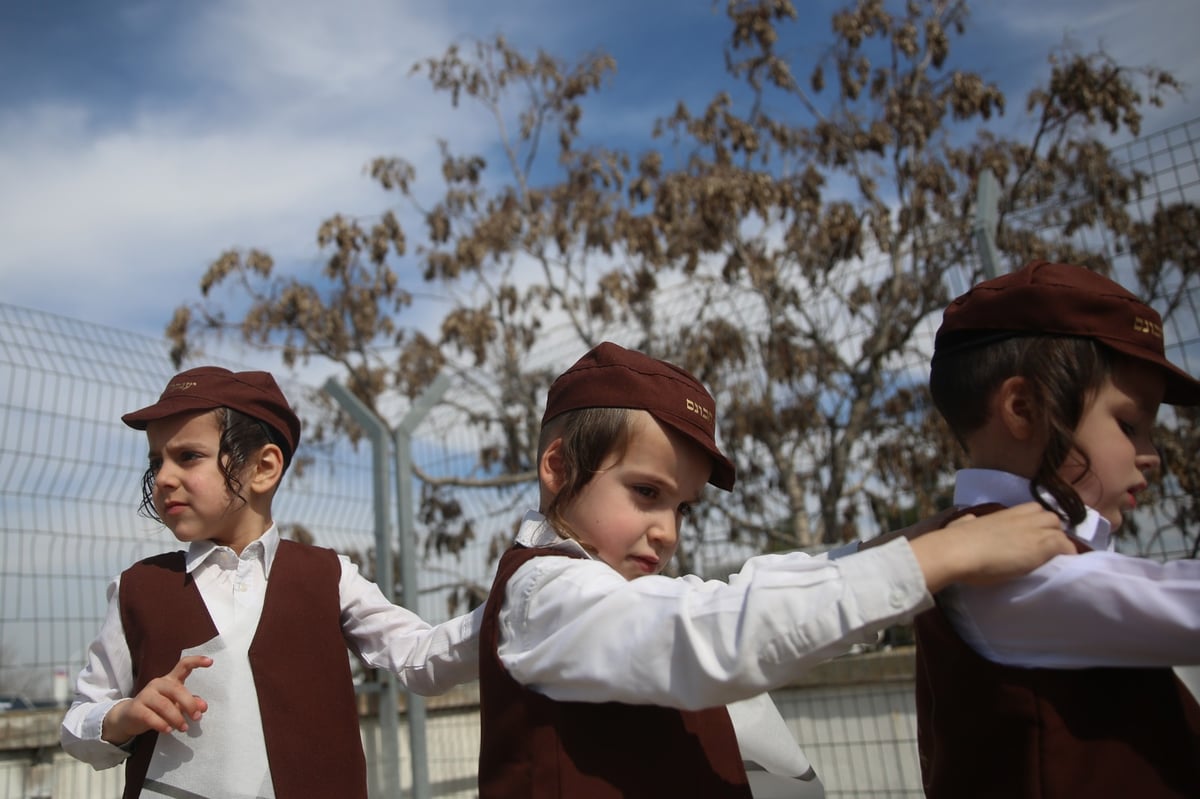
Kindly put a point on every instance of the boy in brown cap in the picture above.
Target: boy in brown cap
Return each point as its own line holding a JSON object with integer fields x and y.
{"x": 1057, "y": 683}
{"x": 222, "y": 670}
{"x": 599, "y": 676}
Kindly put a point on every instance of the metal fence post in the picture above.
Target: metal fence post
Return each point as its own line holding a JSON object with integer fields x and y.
{"x": 987, "y": 202}
{"x": 405, "y": 513}
{"x": 389, "y": 705}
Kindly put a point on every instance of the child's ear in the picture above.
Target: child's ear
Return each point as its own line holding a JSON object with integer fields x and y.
{"x": 268, "y": 468}
{"x": 551, "y": 469}
{"x": 1016, "y": 408}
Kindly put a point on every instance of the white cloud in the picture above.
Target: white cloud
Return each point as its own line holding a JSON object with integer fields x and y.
{"x": 115, "y": 220}
{"x": 296, "y": 57}
{"x": 114, "y": 206}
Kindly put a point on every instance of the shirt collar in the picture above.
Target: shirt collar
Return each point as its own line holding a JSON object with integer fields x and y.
{"x": 266, "y": 545}
{"x": 536, "y": 531}
{"x": 980, "y": 486}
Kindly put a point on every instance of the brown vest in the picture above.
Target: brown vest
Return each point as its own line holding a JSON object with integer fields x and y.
{"x": 989, "y": 730}
{"x": 534, "y": 747}
{"x": 298, "y": 658}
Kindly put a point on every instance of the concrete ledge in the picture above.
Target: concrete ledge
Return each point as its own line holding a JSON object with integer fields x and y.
{"x": 30, "y": 729}
{"x": 892, "y": 665}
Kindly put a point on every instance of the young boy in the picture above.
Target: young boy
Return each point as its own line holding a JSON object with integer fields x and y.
{"x": 223, "y": 670}
{"x": 599, "y": 676}
{"x": 1057, "y": 683}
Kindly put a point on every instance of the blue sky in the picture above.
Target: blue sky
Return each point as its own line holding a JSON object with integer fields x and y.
{"x": 141, "y": 138}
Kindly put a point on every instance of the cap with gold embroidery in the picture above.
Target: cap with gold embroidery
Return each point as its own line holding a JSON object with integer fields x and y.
{"x": 203, "y": 388}
{"x": 1043, "y": 298}
{"x": 610, "y": 376}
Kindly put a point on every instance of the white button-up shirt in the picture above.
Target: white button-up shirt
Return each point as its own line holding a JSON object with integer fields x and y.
{"x": 569, "y": 625}
{"x": 427, "y": 659}
{"x": 576, "y": 630}
{"x": 1096, "y": 609}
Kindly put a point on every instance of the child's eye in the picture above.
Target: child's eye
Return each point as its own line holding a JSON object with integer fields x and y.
{"x": 649, "y": 492}
{"x": 155, "y": 465}
{"x": 1126, "y": 428}
{"x": 190, "y": 456}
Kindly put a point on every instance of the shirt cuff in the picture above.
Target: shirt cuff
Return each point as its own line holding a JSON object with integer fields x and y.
{"x": 93, "y": 725}
{"x": 888, "y": 580}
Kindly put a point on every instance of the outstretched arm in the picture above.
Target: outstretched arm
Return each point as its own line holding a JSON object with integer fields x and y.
{"x": 428, "y": 658}
{"x": 576, "y": 630}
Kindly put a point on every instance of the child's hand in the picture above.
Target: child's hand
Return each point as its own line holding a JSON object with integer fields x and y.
{"x": 163, "y": 705}
{"x": 991, "y": 548}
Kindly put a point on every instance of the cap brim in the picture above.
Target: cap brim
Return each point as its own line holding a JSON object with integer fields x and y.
{"x": 139, "y": 419}
{"x": 723, "y": 474}
{"x": 1181, "y": 388}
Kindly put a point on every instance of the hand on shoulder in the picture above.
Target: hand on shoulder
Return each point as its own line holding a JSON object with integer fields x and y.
{"x": 991, "y": 548}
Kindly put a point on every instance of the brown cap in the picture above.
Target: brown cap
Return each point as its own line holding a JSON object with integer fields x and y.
{"x": 610, "y": 376}
{"x": 1042, "y": 298}
{"x": 255, "y": 394}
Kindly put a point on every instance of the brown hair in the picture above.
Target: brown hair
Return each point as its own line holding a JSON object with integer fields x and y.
{"x": 241, "y": 436}
{"x": 589, "y": 435}
{"x": 1063, "y": 373}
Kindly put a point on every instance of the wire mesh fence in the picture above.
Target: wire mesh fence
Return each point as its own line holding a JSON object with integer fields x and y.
{"x": 70, "y": 483}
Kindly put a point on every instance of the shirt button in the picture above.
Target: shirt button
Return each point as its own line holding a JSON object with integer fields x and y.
{"x": 896, "y": 599}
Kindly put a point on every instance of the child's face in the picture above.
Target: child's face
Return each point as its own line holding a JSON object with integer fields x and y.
{"x": 630, "y": 513}
{"x": 190, "y": 494}
{"x": 1115, "y": 432}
